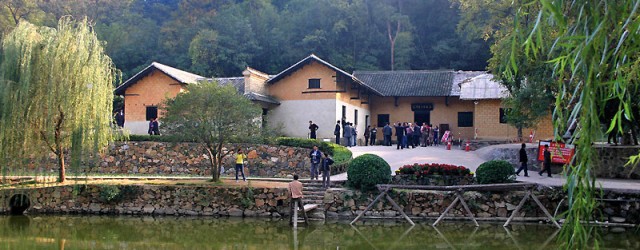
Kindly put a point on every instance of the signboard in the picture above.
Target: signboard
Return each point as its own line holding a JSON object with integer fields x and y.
{"x": 560, "y": 152}
{"x": 421, "y": 106}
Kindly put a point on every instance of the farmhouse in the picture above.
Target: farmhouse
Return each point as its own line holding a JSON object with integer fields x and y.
{"x": 468, "y": 103}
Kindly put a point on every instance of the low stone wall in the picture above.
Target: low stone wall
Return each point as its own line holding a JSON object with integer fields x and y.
{"x": 434, "y": 180}
{"x": 155, "y": 199}
{"x": 344, "y": 203}
{"x": 610, "y": 162}
{"x": 162, "y": 158}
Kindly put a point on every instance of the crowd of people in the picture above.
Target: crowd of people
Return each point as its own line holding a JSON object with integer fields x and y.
{"x": 407, "y": 134}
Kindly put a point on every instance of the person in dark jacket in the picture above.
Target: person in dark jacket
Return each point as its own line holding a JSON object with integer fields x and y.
{"x": 367, "y": 133}
{"x": 336, "y": 132}
{"x": 326, "y": 170}
{"x": 387, "y": 132}
{"x": 547, "y": 161}
{"x": 523, "y": 161}
{"x": 316, "y": 157}
{"x": 120, "y": 118}
{"x": 347, "y": 134}
{"x": 312, "y": 130}
{"x": 416, "y": 135}
{"x": 374, "y": 133}
{"x": 399, "y": 134}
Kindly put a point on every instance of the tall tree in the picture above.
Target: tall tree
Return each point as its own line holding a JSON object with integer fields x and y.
{"x": 56, "y": 93}
{"x": 595, "y": 59}
{"x": 214, "y": 116}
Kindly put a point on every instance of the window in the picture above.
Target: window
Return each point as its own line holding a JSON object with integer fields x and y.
{"x": 503, "y": 115}
{"x": 152, "y": 112}
{"x": 314, "y": 83}
{"x": 465, "y": 119}
{"x": 355, "y": 117}
{"x": 382, "y": 120}
{"x": 344, "y": 113}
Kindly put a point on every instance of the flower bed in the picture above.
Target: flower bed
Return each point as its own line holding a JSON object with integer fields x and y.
{"x": 434, "y": 174}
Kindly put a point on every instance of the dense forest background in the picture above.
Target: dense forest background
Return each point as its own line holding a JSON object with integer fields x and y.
{"x": 221, "y": 37}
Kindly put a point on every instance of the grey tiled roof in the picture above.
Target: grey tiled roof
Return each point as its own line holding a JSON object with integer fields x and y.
{"x": 237, "y": 82}
{"x": 180, "y": 76}
{"x": 261, "y": 98}
{"x": 408, "y": 83}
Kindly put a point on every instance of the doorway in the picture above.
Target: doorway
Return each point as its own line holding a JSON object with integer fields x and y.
{"x": 421, "y": 117}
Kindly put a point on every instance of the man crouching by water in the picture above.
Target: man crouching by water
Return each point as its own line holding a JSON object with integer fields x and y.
{"x": 295, "y": 190}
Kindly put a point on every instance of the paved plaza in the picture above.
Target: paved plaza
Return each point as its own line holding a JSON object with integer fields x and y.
{"x": 456, "y": 156}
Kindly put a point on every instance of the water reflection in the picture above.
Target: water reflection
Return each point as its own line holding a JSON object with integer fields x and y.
{"x": 102, "y": 232}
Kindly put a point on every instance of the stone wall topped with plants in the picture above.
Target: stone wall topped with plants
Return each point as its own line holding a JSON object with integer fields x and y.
{"x": 155, "y": 199}
{"x": 433, "y": 174}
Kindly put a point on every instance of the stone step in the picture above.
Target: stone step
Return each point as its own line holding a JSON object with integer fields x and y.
{"x": 314, "y": 192}
{"x": 312, "y": 201}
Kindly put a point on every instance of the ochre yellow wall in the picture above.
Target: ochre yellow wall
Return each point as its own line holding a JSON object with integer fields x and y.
{"x": 441, "y": 113}
{"x": 151, "y": 90}
{"x": 292, "y": 87}
{"x": 487, "y": 120}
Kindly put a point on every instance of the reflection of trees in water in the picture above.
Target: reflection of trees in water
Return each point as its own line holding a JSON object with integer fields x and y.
{"x": 204, "y": 232}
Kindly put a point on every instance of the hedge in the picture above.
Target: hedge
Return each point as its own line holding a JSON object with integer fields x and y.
{"x": 340, "y": 153}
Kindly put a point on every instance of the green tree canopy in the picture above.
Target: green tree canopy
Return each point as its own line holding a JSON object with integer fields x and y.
{"x": 214, "y": 116}
{"x": 56, "y": 91}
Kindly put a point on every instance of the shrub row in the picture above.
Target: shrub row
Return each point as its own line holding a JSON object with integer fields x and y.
{"x": 420, "y": 170}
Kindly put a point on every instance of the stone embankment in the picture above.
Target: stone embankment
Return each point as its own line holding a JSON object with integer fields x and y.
{"x": 154, "y": 200}
{"x": 162, "y": 158}
{"x": 345, "y": 203}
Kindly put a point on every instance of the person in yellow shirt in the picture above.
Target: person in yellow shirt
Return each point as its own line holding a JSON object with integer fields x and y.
{"x": 240, "y": 158}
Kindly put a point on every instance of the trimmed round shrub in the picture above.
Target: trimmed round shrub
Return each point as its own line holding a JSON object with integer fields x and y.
{"x": 366, "y": 171}
{"x": 495, "y": 172}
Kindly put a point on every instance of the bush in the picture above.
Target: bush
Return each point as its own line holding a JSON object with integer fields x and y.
{"x": 366, "y": 171}
{"x": 340, "y": 153}
{"x": 495, "y": 172}
{"x": 420, "y": 170}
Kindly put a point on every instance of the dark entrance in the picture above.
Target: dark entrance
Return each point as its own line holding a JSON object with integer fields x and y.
{"x": 18, "y": 204}
{"x": 422, "y": 112}
{"x": 422, "y": 117}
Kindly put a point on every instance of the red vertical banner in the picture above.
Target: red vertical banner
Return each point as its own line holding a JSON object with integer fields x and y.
{"x": 560, "y": 152}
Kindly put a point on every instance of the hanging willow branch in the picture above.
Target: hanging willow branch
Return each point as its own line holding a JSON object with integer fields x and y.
{"x": 56, "y": 90}
{"x": 595, "y": 57}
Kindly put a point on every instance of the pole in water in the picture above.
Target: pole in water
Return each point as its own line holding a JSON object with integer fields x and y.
{"x": 295, "y": 215}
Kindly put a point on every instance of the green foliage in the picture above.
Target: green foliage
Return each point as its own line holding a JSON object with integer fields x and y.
{"x": 366, "y": 171}
{"x": 212, "y": 115}
{"x": 340, "y": 153}
{"x": 495, "y": 172}
{"x": 248, "y": 199}
{"x": 56, "y": 92}
{"x": 114, "y": 193}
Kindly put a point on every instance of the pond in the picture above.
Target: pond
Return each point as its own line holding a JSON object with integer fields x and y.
{"x": 109, "y": 232}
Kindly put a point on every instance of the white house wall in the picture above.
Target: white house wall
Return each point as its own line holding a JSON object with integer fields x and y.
{"x": 294, "y": 116}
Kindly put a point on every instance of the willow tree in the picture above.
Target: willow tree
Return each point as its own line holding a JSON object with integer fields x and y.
{"x": 212, "y": 115}
{"x": 596, "y": 59}
{"x": 56, "y": 88}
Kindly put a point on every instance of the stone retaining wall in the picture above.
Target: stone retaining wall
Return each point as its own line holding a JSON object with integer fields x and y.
{"x": 156, "y": 200}
{"x": 162, "y": 158}
{"x": 344, "y": 203}
{"x": 610, "y": 162}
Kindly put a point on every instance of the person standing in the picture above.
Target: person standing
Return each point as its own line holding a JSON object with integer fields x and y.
{"x": 295, "y": 190}
{"x": 336, "y": 132}
{"x": 399, "y": 134}
{"x": 240, "y": 158}
{"x": 406, "y": 139}
{"x": 156, "y": 127}
{"x": 386, "y": 133}
{"x": 354, "y": 138}
{"x": 547, "y": 161}
{"x": 523, "y": 161}
{"x": 374, "y": 133}
{"x": 367, "y": 133}
{"x": 312, "y": 128}
{"x": 416, "y": 135}
{"x": 347, "y": 134}
{"x": 316, "y": 157}
{"x": 425, "y": 134}
{"x": 436, "y": 132}
{"x": 326, "y": 170}
{"x": 120, "y": 118}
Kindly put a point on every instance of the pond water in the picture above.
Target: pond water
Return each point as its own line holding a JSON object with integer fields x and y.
{"x": 109, "y": 232}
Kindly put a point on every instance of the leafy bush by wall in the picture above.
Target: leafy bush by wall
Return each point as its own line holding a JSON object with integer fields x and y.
{"x": 340, "y": 153}
{"x": 366, "y": 171}
{"x": 495, "y": 172}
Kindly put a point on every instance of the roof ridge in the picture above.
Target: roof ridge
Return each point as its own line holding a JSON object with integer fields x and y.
{"x": 404, "y": 71}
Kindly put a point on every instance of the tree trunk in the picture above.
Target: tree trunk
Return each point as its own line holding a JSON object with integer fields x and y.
{"x": 215, "y": 170}
{"x": 520, "y": 133}
{"x": 62, "y": 176}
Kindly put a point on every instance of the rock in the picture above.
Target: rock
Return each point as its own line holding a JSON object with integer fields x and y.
{"x": 345, "y": 214}
{"x": 252, "y": 154}
{"x": 617, "y": 230}
{"x": 235, "y": 212}
{"x": 502, "y": 212}
{"x": 332, "y": 214}
{"x": 500, "y": 204}
{"x": 148, "y": 209}
{"x": 484, "y": 207}
{"x": 95, "y": 207}
{"x": 416, "y": 210}
{"x": 609, "y": 211}
{"x": 616, "y": 219}
{"x": 484, "y": 215}
{"x": 511, "y": 207}
{"x": 389, "y": 213}
{"x": 250, "y": 213}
